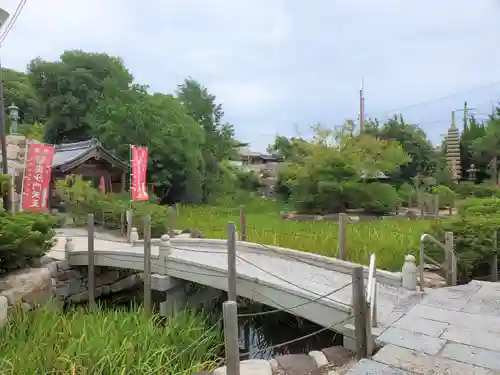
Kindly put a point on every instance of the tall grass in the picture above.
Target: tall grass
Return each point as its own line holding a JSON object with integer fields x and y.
{"x": 390, "y": 240}
{"x": 47, "y": 341}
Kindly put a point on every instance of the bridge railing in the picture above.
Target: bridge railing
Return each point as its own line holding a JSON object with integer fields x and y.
{"x": 450, "y": 264}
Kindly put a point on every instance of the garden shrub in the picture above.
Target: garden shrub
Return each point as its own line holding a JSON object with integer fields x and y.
{"x": 479, "y": 206}
{"x": 381, "y": 199}
{"x": 248, "y": 180}
{"x": 81, "y": 198}
{"x": 4, "y": 184}
{"x": 467, "y": 189}
{"x": 406, "y": 193}
{"x": 445, "y": 194}
{"x": 24, "y": 238}
{"x": 473, "y": 239}
{"x": 473, "y": 230}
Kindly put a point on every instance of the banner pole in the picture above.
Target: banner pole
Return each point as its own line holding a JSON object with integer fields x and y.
{"x": 24, "y": 175}
{"x": 130, "y": 173}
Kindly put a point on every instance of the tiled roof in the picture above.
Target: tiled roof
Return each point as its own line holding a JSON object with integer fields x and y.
{"x": 69, "y": 153}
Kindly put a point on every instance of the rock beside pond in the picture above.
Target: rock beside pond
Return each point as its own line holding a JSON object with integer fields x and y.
{"x": 249, "y": 367}
{"x": 188, "y": 233}
{"x": 4, "y": 308}
{"x": 433, "y": 280}
{"x": 31, "y": 286}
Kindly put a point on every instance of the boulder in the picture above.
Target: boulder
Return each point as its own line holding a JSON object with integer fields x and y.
{"x": 31, "y": 285}
{"x": 297, "y": 364}
{"x": 191, "y": 233}
{"x": 4, "y": 306}
{"x": 249, "y": 367}
{"x": 433, "y": 280}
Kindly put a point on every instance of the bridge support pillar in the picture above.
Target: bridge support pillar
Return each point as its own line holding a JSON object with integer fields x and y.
{"x": 175, "y": 301}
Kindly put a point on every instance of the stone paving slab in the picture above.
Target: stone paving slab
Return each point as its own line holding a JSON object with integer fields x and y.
{"x": 420, "y": 363}
{"x": 421, "y": 325}
{"x": 369, "y": 367}
{"x": 457, "y": 318}
{"x": 453, "y": 331}
{"x": 473, "y": 337}
{"x": 411, "y": 340}
{"x": 475, "y": 356}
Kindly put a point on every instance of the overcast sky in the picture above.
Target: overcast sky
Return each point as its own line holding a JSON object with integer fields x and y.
{"x": 278, "y": 66}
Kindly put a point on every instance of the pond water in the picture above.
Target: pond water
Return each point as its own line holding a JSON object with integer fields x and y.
{"x": 258, "y": 334}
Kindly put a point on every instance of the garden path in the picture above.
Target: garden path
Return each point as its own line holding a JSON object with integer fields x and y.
{"x": 454, "y": 330}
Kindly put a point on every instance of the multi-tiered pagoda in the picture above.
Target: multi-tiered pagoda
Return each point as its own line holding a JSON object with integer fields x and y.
{"x": 453, "y": 152}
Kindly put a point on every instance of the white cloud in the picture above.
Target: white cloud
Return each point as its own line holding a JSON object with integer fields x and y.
{"x": 278, "y": 64}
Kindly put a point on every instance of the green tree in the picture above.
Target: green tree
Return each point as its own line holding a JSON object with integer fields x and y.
{"x": 486, "y": 148}
{"x": 158, "y": 121}
{"x": 413, "y": 140}
{"x": 71, "y": 88}
{"x": 324, "y": 174}
{"x": 219, "y": 143}
{"x": 370, "y": 154}
{"x": 288, "y": 149}
{"x": 18, "y": 90}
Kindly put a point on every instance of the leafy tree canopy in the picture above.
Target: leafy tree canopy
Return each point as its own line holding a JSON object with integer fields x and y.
{"x": 84, "y": 95}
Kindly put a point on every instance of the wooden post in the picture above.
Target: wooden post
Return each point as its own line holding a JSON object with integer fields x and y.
{"x": 129, "y": 219}
{"x": 421, "y": 204}
{"x": 243, "y": 224}
{"x": 436, "y": 205}
{"x": 231, "y": 340}
{"x": 231, "y": 262}
{"x": 147, "y": 265}
{"x": 421, "y": 266}
{"x": 123, "y": 181}
{"x": 375, "y": 312}
{"x": 452, "y": 259}
{"x": 342, "y": 236}
{"x": 494, "y": 258}
{"x": 359, "y": 311}
{"x": 123, "y": 224}
{"x": 91, "y": 259}
{"x": 171, "y": 217}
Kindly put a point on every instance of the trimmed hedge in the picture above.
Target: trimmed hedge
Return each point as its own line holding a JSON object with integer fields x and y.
{"x": 474, "y": 230}
{"x": 24, "y": 238}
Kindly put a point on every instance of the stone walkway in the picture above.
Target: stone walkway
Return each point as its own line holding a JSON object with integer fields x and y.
{"x": 454, "y": 330}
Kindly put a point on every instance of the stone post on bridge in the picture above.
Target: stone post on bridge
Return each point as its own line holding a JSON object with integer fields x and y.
{"x": 134, "y": 236}
{"x": 164, "y": 250}
{"x": 175, "y": 295}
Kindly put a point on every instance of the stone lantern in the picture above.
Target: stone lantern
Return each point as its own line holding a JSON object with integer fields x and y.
{"x": 14, "y": 118}
{"x": 472, "y": 172}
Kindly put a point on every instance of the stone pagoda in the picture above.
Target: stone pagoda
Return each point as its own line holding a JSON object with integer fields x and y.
{"x": 453, "y": 151}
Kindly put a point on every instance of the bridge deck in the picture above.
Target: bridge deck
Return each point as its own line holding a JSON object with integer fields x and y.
{"x": 454, "y": 330}
{"x": 277, "y": 281}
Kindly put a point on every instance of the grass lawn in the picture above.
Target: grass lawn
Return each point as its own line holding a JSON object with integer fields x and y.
{"x": 390, "y": 240}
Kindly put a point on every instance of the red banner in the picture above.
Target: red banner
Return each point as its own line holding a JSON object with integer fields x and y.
{"x": 139, "y": 161}
{"x": 37, "y": 174}
{"x": 102, "y": 185}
